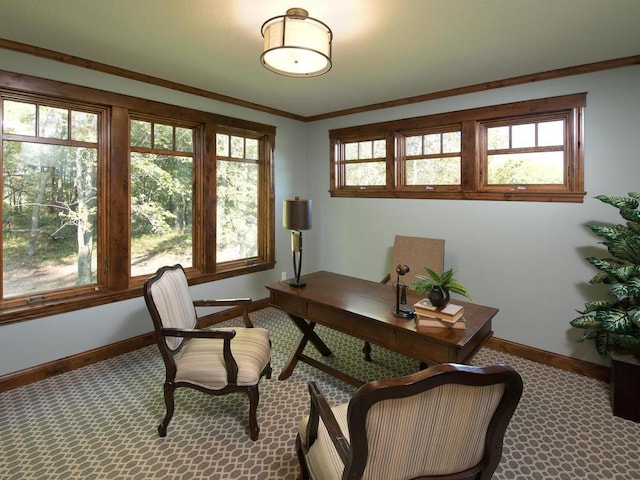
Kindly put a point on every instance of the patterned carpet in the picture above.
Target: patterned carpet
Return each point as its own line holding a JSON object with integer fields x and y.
{"x": 99, "y": 422}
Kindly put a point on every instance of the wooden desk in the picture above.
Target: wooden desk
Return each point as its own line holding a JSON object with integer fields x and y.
{"x": 363, "y": 309}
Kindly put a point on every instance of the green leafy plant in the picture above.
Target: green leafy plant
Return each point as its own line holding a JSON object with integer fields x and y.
{"x": 442, "y": 284}
{"x": 614, "y": 324}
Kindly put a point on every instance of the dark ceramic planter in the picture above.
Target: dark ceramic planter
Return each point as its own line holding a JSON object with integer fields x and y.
{"x": 625, "y": 387}
{"x": 438, "y": 298}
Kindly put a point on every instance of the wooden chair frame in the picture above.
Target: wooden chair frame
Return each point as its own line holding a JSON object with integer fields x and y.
{"x": 354, "y": 454}
{"x": 168, "y": 354}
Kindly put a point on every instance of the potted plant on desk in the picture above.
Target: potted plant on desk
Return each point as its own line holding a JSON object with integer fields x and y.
{"x": 614, "y": 324}
{"x": 438, "y": 287}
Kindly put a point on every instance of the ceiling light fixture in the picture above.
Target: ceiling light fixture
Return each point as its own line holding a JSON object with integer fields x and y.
{"x": 296, "y": 45}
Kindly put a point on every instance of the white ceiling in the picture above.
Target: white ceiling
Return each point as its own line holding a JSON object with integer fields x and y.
{"x": 383, "y": 50}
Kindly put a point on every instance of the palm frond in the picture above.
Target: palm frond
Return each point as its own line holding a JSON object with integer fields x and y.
{"x": 586, "y": 322}
{"x": 605, "y": 343}
{"x": 635, "y": 195}
{"x": 630, "y": 214}
{"x": 597, "y": 305}
{"x": 444, "y": 281}
{"x": 628, "y": 289}
{"x": 614, "y": 320}
{"x": 434, "y": 275}
{"x": 608, "y": 232}
{"x": 457, "y": 287}
{"x": 607, "y": 265}
{"x": 634, "y": 317}
{"x": 620, "y": 202}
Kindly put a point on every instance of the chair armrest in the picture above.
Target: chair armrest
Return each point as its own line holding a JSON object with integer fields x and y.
{"x": 231, "y": 365}
{"x": 242, "y": 302}
{"x": 197, "y": 333}
{"x": 320, "y": 409}
{"x": 220, "y": 302}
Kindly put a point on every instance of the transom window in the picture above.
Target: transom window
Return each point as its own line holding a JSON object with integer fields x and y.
{"x": 432, "y": 158}
{"x": 365, "y": 162}
{"x": 530, "y": 153}
{"x": 528, "y": 150}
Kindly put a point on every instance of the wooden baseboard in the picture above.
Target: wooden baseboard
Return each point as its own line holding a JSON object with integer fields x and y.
{"x": 562, "y": 362}
{"x": 46, "y": 370}
{"x": 56, "y": 367}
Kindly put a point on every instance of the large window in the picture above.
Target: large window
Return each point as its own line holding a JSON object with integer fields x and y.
{"x": 100, "y": 190}
{"x": 50, "y": 190}
{"x": 522, "y": 151}
{"x": 238, "y": 161}
{"x": 162, "y": 179}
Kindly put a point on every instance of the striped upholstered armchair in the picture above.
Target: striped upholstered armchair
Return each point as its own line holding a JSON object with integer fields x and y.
{"x": 445, "y": 422}
{"x": 215, "y": 361}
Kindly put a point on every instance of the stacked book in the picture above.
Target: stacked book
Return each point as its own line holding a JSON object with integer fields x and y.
{"x": 449, "y": 316}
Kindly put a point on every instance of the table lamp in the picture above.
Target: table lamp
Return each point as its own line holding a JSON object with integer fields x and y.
{"x": 296, "y": 216}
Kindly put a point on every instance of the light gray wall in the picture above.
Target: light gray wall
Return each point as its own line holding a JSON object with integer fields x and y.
{"x": 524, "y": 258}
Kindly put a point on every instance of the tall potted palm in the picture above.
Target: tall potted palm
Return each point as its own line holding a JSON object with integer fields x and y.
{"x": 613, "y": 324}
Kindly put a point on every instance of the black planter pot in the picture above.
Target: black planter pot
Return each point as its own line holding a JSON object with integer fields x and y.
{"x": 625, "y": 387}
{"x": 439, "y": 298}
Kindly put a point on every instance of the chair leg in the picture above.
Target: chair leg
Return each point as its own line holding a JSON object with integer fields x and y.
{"x": 268, "y": 371}
{"x": 254, "y": 398}
{"x": 169, "y": 388}
{"x": 302, "y": 461}
{"x": 245, "y": 318}
{"x": 367, "y": 351}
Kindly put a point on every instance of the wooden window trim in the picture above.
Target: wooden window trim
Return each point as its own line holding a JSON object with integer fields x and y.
{"x": 471, "y": 187}
{"x": 116, "y": 284}
{"x": 338, "y": 173}
{"x": 402, "y": 158}
{"x": 266, "y": 247}
{"x": 570, "y": 183}
{"x": 197, "y": 241}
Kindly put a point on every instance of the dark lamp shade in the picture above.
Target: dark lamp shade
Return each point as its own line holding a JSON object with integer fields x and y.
{"x": 296, "y": 214}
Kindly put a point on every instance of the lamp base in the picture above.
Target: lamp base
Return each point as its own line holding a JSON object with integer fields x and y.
{"x": 297, "y": 283}
{"x": 403, "y": 312}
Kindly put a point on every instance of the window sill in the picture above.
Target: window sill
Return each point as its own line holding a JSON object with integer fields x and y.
{"x": 566, "y": 197}
{"x": 46, "y": 308}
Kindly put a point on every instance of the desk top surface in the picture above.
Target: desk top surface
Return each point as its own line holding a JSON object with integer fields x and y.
{"x": 376, "y": 301}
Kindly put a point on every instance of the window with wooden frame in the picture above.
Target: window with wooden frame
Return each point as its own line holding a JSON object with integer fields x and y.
{"x": 528, "y": 153}
{"x": 100, "y": 189}
{"x": 365, "y": 162}
{"x": 52, "y": 152}
{"x": 163, "y": 177}
{"x": 430, "y": 159}
{"x": 531, "y": 151}
{"x": 242, "y": 193}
